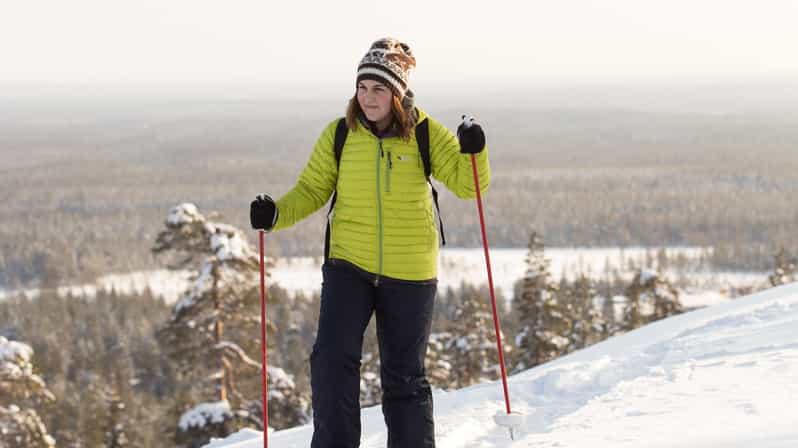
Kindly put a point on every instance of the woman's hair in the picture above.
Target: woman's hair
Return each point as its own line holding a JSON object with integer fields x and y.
{"x": 404, "y": 117}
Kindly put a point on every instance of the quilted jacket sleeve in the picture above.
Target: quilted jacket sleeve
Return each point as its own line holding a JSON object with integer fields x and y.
{"x": 453, "y": 168}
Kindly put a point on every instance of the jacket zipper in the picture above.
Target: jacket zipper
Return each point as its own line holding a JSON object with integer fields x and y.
{"x": 379, "y": 214}
{"x": 388, "y": 174}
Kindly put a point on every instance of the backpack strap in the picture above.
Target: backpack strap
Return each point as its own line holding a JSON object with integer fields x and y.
{"x": 341, "y": 132}
{"x": 422, "y": 137}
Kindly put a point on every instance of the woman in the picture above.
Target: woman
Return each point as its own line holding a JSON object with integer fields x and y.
{"x": 383, "y": 247}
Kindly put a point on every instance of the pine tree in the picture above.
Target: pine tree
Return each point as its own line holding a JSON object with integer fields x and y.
{"x": 785, "y": 271}
{"x": 588, "y": 324}
{"x": 213, "y": 326}
{"x": 21, "y": 428}
{"x": 650, "y": 297}
{"x": 287, "y": 408}
{"x": 473, "y": 345}
{"x": 438, "y": 361}
{"x": 545, "y": 324}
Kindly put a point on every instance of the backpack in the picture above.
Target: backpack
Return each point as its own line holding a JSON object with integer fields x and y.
{"x": 422, "y": 137}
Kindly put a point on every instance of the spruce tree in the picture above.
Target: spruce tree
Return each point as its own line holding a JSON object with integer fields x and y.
{"x": 438, "y": 361}
{"x": 473, "y": 345}
{"x": 545, "y": 323}
{"x": 785, "y": 270}
{"x": 588, "y": 324}
{"x": 650, "y": 297}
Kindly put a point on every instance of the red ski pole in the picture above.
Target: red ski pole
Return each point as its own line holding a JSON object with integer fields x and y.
{"x": 510, "y": 420}
{"x": 263, "y": 345}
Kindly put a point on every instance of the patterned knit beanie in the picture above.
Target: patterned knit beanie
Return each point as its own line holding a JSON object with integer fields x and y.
{"x": 390, "y": 62}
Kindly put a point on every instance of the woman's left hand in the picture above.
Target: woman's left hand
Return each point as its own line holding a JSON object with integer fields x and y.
{"x": 472, "y": 138}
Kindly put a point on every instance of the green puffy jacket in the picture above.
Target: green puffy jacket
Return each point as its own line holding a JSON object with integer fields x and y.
{"x": 383, "y": 219}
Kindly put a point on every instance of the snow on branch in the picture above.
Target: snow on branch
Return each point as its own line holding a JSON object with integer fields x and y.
{"x": 204, "y": 414}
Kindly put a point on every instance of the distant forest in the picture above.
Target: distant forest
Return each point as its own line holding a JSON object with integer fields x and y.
{"x": 84, "y": 189}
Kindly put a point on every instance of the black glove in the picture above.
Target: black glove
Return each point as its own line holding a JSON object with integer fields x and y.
{"x": 263, "y": 213}
{"x": 472, "y": 139}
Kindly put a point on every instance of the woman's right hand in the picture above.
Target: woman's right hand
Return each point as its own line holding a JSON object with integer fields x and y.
{"x": 263, "y": 213}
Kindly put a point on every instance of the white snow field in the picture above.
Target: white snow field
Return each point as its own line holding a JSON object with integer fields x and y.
{"x": 721, "y": 376}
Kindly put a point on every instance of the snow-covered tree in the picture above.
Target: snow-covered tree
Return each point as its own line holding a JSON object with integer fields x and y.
{"x": 19, "y": 385}
{"x": 650, "y": 297}
{"x": 785, "y": 271}
{"x": 474, "y": 356}
{"x": 545, "y": 323}
{"x": 205, "y": 421}
{"x": 216, "y": 323}
{"x": 370, "y": 383}
{"x": 115, "y": 431}
{"x": 287, "y": 408}
{"x": 588, "y": 324}
{"x": 438, "y": 362}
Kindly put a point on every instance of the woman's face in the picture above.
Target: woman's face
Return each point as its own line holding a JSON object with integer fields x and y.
{"x": 375, "y": 99}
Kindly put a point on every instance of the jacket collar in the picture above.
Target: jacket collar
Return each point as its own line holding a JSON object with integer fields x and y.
{"x": 372, "y": 126}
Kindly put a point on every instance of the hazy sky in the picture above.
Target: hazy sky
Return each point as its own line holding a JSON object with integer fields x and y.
{"x": 297, "y": 44}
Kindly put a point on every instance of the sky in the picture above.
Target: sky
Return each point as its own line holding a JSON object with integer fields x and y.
{"x": 317, "y": 45}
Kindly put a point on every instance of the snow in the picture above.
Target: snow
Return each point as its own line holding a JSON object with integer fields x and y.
{"x": 14, "y": 352}
{"x": 238, "y": 440}
{"x": 204, "y": 414}
{"x": 15, "y": 360}
{"x": 228, "y": 248}
{"x": 163, "y": 283}
{"x": 722, "y": 376}
{"x": 647, "y": 275}
{"x": 202, "y": 284}
{"x": 183, "y": 214}
{"x": 279, "y": 378}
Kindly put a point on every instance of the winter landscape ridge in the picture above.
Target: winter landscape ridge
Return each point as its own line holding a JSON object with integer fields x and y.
{"x": 721, "y": 376}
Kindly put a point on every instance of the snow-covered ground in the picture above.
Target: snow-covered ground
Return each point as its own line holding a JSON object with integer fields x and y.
{"x": 722, "y": 376}
{"x": 457, "y": 266}
{"x": 162, "y": 282}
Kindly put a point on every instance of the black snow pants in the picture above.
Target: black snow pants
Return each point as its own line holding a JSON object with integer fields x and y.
{"x": 349, "y": 296}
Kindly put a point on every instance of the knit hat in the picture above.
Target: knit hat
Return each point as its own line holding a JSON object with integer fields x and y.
{"x": 388, "y": 61}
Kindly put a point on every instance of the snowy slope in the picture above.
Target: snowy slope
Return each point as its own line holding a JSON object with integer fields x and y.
{"x": 723, "y": 376}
